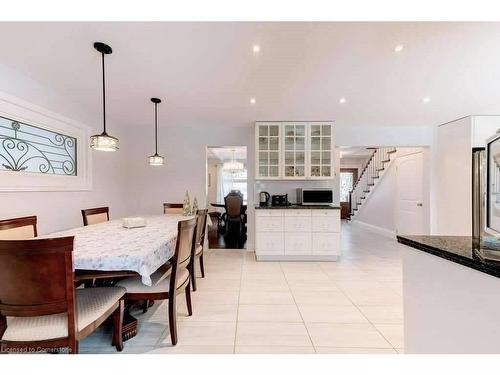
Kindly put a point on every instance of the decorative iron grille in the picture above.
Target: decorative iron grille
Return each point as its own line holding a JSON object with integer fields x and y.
{"x": 28, "y": 148}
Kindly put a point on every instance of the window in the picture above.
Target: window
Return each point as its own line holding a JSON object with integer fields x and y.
{"x": 227, "y": 181}
{"x": 28, "y": 148}
{"x": 41, "y": 150}
{"x": 346, "y": 185}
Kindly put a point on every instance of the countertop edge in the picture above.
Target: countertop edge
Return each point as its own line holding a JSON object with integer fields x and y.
{"x": 298, "y": 207}
{"x": 466, "y": 262}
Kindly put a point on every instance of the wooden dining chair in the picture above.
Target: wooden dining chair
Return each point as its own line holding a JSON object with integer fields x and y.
{"x": 201, "y": 225}
{"x": 95, "y": 215}
{"x": 21, "y": 228}
{"x": 167, "y": 285}
{"x": 39, "y": 306}
{"x": 172, "y": 208}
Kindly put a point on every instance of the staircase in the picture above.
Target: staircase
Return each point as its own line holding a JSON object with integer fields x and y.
{"x": 372, "y": 171}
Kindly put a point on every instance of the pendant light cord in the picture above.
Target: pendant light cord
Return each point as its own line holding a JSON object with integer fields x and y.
{"x": 156, "y": 128}
{"x": 103, "y": 94}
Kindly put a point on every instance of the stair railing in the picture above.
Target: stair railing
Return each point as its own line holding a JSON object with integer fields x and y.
{"x": 369, "y": 174}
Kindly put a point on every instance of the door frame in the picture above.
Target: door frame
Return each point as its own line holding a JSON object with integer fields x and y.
{"x": 344, "y": 206}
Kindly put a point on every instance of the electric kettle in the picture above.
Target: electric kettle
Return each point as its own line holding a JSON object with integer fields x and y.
{"x": 264, "y": 198}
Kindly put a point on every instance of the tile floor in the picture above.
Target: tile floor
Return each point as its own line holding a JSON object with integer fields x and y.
{"x": 244, "y": 306}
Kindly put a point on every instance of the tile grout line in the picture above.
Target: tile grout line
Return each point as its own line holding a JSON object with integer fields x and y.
{"x": 361, "y": 312}
{"x": 238, "y": 304}
{"x": 297, "y": 306}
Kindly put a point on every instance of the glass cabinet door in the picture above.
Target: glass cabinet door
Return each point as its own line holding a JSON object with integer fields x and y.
{"x": 268, "y": 150}
{"x": 294, "y": 150}
{"x": 321, "y": 164}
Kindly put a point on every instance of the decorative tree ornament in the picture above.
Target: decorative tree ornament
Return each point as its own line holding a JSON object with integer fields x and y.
{"x": 195, "y": 206}
{"x": 186, "y": 207}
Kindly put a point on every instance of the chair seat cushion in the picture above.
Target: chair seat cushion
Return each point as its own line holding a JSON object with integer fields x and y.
{"x": 91, "y": 304}
{"x": 160, "y": 282}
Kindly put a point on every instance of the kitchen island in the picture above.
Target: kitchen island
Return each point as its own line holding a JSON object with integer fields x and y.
{"x": 297, "y": 232}
{"x": 451, "y": 292}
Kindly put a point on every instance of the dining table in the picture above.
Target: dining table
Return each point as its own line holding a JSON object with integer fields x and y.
{"x": 109, "y": 250}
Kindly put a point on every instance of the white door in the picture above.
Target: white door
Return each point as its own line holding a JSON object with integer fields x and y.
{"x": 410, "y": 205}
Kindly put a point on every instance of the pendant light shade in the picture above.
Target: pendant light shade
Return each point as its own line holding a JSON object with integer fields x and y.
{"x": 156, "y": 159}
{"x": 103, "y": 141}
{"x": 233, "y": 165}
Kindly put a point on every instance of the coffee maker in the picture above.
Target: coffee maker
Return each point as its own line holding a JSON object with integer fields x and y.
{"x": 264, "y": 198}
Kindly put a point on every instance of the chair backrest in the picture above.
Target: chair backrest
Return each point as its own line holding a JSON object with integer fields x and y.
{"x": 201, "y": 225}
{"x": 234, "y": 204}
{"x": 186, "y": 232}
{"x": 21, "y": 228}
{"x": 95, "y": 215}
{"x": 172, "y": 208}
{"x": 36, "y": 278}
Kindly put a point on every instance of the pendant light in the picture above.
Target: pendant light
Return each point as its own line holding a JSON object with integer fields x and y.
{"x": 233, "y": 165}
{"x": 103, "y": 141}
{"x": 156, "y": 159}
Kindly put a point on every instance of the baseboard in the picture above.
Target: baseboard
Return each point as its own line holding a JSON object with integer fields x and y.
{"x": 383, "y": 231}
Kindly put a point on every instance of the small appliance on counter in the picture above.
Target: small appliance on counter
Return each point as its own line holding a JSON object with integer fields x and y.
{"x": 264, "y": 198}
{"x": 314, "y": 196}
{"x": 133, "y": 222}
{"x": 280, "y": 200}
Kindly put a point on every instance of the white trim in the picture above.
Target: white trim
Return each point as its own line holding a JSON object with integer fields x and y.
{"x": 383, "y": 231}
{"x": 22, "y": 111}
{"x": 297, "y": 258}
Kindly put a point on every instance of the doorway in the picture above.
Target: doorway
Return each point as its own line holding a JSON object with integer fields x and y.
{"x": 410, "y": 217}
{"x": 348, "y": 177}
{"x": 227, "y": 194}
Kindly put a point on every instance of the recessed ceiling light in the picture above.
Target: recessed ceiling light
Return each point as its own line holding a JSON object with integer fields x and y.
{"x": 426, "y": 99}
{"x": 399, "y": 48}
{"x": 256, "y": 48}
{"x": 253, "y": 101}
{"x": 342, "y": 100}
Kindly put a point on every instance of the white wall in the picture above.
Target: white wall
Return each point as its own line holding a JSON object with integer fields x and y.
{"x": 125, "y": 182}
{"x": 354, "y": 163}
{"x": 185, "y": 150}
{"x": 212, "y": 188}
{"x": 61, "y": 210}
{"x": 379, "y": 209}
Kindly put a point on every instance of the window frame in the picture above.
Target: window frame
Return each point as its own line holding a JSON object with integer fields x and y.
{"x": 17, "y": 109}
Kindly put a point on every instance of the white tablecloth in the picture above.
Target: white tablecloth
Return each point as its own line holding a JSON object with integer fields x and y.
{"x": 110, "y": 247}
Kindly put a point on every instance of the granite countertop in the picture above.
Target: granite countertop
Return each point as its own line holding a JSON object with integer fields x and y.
{"x": 480, "y": 254}
{"x": 300, "y": 207}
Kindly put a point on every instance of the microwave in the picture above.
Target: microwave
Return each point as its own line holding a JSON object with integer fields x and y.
{"x": 315, "y": 196}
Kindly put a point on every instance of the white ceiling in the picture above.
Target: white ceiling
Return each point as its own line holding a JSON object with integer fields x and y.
{"x": 226, "y": 153}
{"x": 207, "y": 72}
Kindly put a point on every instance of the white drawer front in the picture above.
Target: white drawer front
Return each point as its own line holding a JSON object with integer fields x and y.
{"x": 297, "y": 224}
{"x": 299, "y": 212}
{"x": 326, "y": 212}
{"x": 326, "y": 243}
{"x": 264, "y": 212}
{"x": 325, "y": 224}
{"x": 298, "y": 243}
{"x": 270, "y": 243}
{"x": 269, "y": 224}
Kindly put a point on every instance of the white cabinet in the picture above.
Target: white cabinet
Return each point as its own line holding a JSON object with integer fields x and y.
{"x": 270, "y": 243}
{"x": 321, "y": 147}
{"x": 453, "y": 164}
{"x": 325, "y": 243}
{"x": 297, "y": 234}
{"x": 268, "y": 150}
{"x": 294, "y": 150}
{"x": 297, "y": 243}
